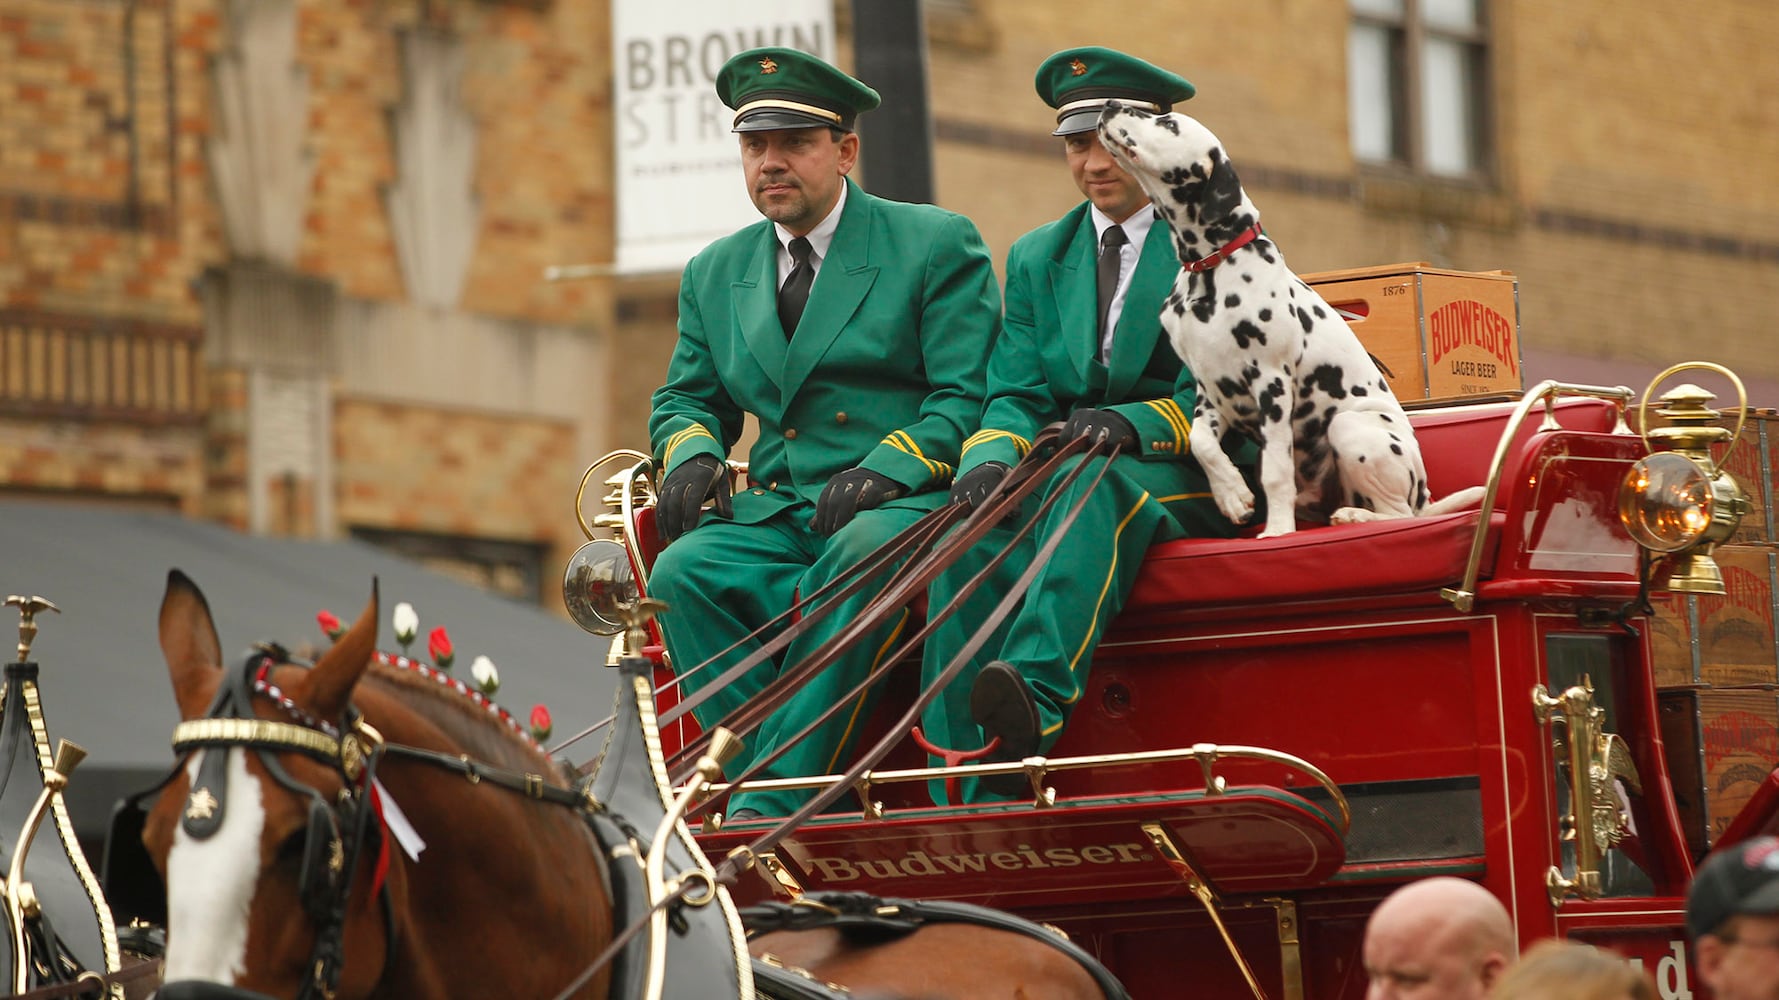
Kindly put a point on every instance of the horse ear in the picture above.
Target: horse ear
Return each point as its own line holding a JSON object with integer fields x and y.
{"x": 188, "y": 641}
{"x": 328, "y": 688}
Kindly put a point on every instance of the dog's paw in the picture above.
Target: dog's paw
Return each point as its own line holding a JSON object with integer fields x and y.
{"x": 1236, "y": 502}
{"x": 1352, "y": 515}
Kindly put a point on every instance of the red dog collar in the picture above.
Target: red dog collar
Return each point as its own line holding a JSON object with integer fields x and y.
{"x": 1222, "y": 253}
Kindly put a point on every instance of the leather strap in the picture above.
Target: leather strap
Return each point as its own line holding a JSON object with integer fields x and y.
{"x": 912, "y": 582}
{"x": 733, "y": 865}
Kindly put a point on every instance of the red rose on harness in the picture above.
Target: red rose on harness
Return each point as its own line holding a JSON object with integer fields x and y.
{"x": 330, "y": 625}
{"x": 438, "y": 644}
{"x": 540, "y": 722}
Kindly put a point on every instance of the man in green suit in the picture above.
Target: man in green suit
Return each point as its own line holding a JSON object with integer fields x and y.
{"x": 1082, "y": 344}
{"x": 856, "y": 331}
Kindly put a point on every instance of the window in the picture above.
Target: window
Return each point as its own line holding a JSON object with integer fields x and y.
{"x": 1416, "y": 85}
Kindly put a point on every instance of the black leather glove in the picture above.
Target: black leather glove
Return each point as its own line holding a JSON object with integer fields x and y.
{"x": 973, "y": 487}
{"x": 684, "y": 490}
{"x": 848, "y": 493}
{"x": 1099, "y": 424}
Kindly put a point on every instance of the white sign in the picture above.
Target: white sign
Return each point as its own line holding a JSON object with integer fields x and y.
{"x": 678, "y": 167}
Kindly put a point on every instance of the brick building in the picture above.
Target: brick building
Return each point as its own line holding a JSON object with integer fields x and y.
{"x": 278, "y": 263}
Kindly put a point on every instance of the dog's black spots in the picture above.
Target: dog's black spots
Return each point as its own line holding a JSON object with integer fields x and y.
{"x": 1246, "y": 332}
{"x": 1230, "y": 388}
{"x": 1247, "y": 277}
{"x": 1327, "y": 378}
{"x": 1232, "y": 300}
{"x": 1386, "y": 418}
{"x": 1303, "y": 316}
{"x": 1168, "y": 123}
{"x": 1188, "y": 237}
{"x": 1269, "y": 400}
{"x": 1179, "y": 307}
{"x": 1311, "y": 429}
{"x": 1291, "y": 291}
{"x": 1362, "y": 501}
{"x": 1395, "y": 439}
{"x": 1265, "y": 253}
{"x": 1395, "y": 449}
{"x": 1361, "y": 459}
{"x": 1383, "y": 386}
{"x": 1303, "y": 410}
{"x": 1251, "y": 373}
{"x": 1318, "y": 311}
{"x": 1265, "y": 314}
{"x": 1421, "y": 495}
{"x": 1358, "y": 390}
{"x": 1204, "y": 308}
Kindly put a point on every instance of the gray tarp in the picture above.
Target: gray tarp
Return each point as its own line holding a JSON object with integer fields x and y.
{"x": 105, "y": 684}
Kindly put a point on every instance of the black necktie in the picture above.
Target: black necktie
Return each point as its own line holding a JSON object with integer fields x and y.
{"x": 1111, "y": 255}
{"x": 795, "y": 293}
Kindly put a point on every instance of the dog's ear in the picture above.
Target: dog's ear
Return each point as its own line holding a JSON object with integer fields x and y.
{"x": 1222, "y": 191}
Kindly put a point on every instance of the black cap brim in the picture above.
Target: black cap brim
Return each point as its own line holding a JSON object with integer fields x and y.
{"x": 1084, "y": 120}
{"x": 767, "y": 119}
{"x": 1084, "y": 116}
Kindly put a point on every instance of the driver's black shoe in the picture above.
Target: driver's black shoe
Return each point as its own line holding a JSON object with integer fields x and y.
{"x": 1002, "y": 704}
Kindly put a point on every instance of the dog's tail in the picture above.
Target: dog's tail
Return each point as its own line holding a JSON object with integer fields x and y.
{"x": 1462, "y": 500}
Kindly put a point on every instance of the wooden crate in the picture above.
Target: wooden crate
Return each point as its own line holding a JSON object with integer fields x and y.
{"x": 1674, "y": 655}
{"x": 1720, "y": 745}
{"x": 1735, "y": 639}
{"x": 1440, "y": 334}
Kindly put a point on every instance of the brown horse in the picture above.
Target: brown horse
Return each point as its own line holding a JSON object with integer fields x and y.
{"x": 505, "y": 899}
{"x": 287, "y": 839}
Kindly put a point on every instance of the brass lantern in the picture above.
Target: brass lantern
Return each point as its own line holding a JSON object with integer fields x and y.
{"x": 1678, "y": 503}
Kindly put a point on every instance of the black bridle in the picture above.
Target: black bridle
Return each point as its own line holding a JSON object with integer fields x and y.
{"x": 338, "y": 831}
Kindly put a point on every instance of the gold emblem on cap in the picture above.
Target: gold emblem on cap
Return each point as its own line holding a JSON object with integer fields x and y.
{"x": 768, "y": 66}
{"x": 1079, "y": 67}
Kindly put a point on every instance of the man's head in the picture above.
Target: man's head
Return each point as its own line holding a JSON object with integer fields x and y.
{"x": 1732, "y": 912}
{"x": 1437, "y": 939}
{"x": 1078, "y": 83}
{"x": 795, "y": 116}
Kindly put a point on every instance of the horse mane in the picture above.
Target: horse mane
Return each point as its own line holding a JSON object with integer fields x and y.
{"x": 484, "y": 729}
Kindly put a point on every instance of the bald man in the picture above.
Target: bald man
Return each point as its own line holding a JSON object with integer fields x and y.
{"x": 1438, "y": 939}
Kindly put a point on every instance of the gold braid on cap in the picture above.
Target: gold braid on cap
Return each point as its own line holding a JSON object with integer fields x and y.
{"x": 786, "y": 105}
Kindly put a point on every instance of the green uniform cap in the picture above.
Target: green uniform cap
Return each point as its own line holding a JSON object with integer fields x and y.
{"x": 1079, "y": 82}
{"x": 784, "y": 88}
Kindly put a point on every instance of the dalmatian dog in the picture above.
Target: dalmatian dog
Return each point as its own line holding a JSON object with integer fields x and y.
{"x": 1272, "y": 359}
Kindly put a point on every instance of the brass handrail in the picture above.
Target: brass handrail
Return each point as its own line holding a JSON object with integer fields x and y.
{"x": 1463, "y": 597}
{"x": 1037, "y": 768}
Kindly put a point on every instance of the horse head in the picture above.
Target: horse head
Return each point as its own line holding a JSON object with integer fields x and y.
{"x": 328, "y": 831}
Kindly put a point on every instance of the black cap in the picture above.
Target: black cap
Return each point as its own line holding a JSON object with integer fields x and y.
{"x": 1742, "y": 878}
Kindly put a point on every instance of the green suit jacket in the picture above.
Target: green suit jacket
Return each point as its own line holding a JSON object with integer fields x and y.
{"x": 1047, "y": 361}
{"x": 886, "y": 370}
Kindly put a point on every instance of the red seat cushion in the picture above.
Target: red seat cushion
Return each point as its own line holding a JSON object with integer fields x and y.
{"x": 1380, "y": 557}
{"x": 1413, "y": 554}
